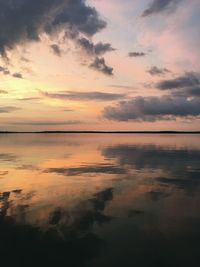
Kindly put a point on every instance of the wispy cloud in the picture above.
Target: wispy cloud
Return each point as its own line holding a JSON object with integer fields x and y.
{"x": 84, "y": 96}
{"x": 160, "y": 6}
{"x": 47, "y": 123}
{"x": 56, "y": 49}
{"x": 3, "y": 92}
{"x": 155, "y": 71}
{"x": 8, "y": 109}
{"x": 29, "y": 99}
{"x": 136, "y": 54}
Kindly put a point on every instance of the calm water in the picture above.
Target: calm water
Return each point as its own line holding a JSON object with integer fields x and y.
{"x": 100, "y": 200}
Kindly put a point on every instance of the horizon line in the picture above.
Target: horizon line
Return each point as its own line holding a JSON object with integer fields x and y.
{"x": 100, "y": 132}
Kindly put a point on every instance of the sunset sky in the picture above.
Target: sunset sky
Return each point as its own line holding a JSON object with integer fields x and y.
{"x": 99, "y": 65}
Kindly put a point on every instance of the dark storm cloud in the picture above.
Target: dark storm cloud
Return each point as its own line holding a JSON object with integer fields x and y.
{"x": 136, "y": 54}
{"x": 94, "y": 49}
{"x": 153, "y": 109}
{"x": 24, "y": 20}
{"x": 8, "y": 109}
{"x": 159, "y": 6}
{"x": 99, "y": 65}
{"x": 84, "y": 96}
{"x": 157, "y": 71}
{"x": 86, "y": 169}
{"x": 187, "y": 80}
{"x": 56, "y": 49}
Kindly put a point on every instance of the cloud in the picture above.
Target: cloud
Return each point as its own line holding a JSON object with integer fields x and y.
{"x": 25, "y": 20}
{"x": 153, "y": 109}
{"x": 3, "y": 173}
{"x": 94, "y": 49}
{"x": 157, "y": 71}
{"x": 187, "y": 92}
{"x": 8, "y": 157}
{"x": 3, "y": 92}
{"x": 29, "y": 98}
{"x": 187, "y": 85}
{"x": 24, "y": 59}
{"x": 84, "y": 96}
{"x": 8, "y": 109}
{"x": 159, "y": 6}
{"x": 100, "y": 65}
{"x": 102, "y": 48}
{"x": 47, "y": 123}
{"x": 68, "y": 110}
{"x": 56, "y": 50}
{"x": 17, "y": 75}
{"x": 5, "y": 71}
{"x": 126, "y": 87}
{"x": 136, "y": 54}
{"x": 187, "y": 80}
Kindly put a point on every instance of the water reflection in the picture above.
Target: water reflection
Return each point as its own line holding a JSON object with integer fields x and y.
{"x": 100, "y": 200}
{"x": 86, "y": 169}
{"x": 67, "y": 233}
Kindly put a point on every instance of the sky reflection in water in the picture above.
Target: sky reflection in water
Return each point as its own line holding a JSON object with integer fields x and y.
{"x": 100, "y": 200}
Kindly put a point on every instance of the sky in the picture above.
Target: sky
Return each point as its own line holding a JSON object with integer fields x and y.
{"x": 99, "y": 65}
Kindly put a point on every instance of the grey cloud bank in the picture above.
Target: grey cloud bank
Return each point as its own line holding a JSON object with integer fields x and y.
{"x": 153, "y": 109}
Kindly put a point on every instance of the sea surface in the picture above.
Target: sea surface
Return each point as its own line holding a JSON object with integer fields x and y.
{"x": 100, "y": 200}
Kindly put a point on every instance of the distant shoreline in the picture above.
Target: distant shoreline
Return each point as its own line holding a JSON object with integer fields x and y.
{"x": 100, "y": 132}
